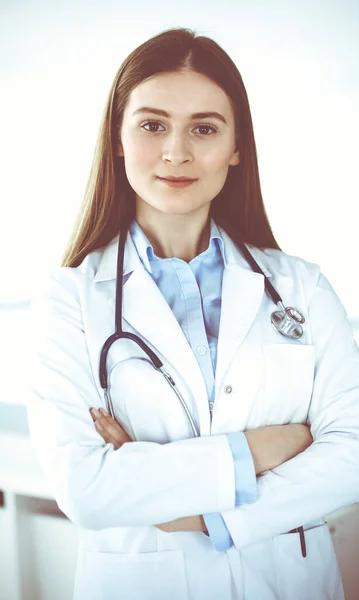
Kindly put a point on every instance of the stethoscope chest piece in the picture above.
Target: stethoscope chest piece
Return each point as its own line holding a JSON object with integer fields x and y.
{"x": 288, "y": 322}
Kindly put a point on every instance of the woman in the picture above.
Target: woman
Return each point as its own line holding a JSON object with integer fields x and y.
{"x": 229, "y": 505}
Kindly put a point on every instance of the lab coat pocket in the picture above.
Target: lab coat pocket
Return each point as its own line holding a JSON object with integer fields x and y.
{"x": 142, "y": 576}
{"x": 312, "y": 577}
{"x": 289, "y": 376}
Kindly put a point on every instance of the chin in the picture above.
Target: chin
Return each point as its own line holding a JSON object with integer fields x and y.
{"x": 168, "y": 206}
{"x": 176, "y": 209}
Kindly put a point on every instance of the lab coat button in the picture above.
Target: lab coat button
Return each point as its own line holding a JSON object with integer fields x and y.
{"x": 228, "y": 389}
{"x": 201, "y": 350}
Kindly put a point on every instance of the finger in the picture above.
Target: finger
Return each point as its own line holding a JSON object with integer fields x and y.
{"x": 114, "y": 428}
{"x": 107, "y": 438}
{"x": 167, "y": 527}
{"x": 109, "y": 425}
{"x": 162, "y": 527}
{"x": 109, "y": 431}
{"x": 102, "y": 431}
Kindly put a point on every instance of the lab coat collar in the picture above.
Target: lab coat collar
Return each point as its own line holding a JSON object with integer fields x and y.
{"x": 148, "y": 256}
{"x": 108, "y": 266}
{"x": 234, "y": 257}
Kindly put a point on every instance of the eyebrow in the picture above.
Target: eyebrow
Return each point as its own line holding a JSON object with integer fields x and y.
{"x": 163, "y": 113}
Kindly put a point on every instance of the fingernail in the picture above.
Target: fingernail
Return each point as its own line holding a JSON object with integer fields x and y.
{"x": 98, "y": 425}
{"x": 96, "y": 413}
{"x": 104, "y": 412}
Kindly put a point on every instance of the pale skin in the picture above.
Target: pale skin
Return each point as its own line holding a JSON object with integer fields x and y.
{"x": 176, "y": 220}
{"x": 187, "y": 129}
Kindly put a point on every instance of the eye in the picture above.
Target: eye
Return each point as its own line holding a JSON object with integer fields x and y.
{"x": 214, "y": 129}
{"x": 156, "y": 124}
{"x": 151, "y": 123}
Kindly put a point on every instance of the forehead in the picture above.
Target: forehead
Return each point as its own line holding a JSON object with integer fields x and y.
{"x": 180, "y": 94}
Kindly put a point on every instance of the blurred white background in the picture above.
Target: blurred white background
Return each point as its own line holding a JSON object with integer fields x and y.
{"x": 299, "y": 62}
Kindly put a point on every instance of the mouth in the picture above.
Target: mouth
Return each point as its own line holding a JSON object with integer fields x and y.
{"x": 177, "y": 178}
{"x": 177, "y": 182}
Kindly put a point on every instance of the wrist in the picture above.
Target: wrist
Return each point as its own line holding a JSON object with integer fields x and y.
{"x": 254, "y": 447}
{"x": 265, "y": 444}
{"x": 203, "y": 525}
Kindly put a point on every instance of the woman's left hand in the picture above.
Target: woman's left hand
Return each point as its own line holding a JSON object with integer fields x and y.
{"x": 112, "y": 432}
{"x": 195, "y": 523}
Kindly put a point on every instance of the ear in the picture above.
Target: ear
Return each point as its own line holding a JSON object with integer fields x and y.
{"x": 236, "y": 159}
{"x": 119, "y": 150}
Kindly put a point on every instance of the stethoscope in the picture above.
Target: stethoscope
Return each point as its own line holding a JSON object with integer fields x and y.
{"x": 287, "y": 321}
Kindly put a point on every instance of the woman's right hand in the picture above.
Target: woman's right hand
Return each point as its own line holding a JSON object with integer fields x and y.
{"x": 108, "y": 428}
{"x": 275, "y": 444}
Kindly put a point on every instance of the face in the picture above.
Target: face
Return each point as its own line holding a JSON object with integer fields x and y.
{"x": 177, "y": 142}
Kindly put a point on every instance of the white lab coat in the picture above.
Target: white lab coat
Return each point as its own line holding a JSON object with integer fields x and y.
{"x": 116, "y": 497}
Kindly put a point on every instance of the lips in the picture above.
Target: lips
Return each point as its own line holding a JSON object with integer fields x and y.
{"x": 177, "y": 178}
{"x": 177, "y": 183}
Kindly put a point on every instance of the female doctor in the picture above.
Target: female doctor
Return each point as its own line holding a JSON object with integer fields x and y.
{"x": 204, "y": 470}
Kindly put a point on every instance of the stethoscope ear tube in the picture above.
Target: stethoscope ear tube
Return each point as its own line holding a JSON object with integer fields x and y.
{"x": 256, "y": 268}
{"x": 119, "y": 333}
{"x": 157, "y": 363}
{"x": 103, "y": 359}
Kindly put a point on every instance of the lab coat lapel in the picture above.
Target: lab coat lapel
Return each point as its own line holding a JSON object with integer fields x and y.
{"x": 242, "y": 294}
{"x": 147, "y": 311}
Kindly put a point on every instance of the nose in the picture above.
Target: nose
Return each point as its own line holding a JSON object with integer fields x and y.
{"x": 177, "y": 149}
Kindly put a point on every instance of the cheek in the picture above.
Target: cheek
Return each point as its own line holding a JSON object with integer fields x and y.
{"x": 216, "y": 172}
{"x": 216, "y": 161}
{"x": 138, "y": 149}
{"x": 140, "y": 155}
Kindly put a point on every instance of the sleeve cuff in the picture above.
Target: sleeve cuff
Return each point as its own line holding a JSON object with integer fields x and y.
{"x": 245, "y": 475}
{"x": 218, "y": 532}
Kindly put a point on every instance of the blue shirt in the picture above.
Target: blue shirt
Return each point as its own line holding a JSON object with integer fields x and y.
{"x": 194, "y": 293}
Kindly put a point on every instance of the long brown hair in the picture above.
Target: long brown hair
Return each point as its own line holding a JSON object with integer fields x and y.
{"x": 109, "y": 203}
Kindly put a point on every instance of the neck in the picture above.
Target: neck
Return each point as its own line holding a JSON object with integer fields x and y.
{"x": 180, "y": 236}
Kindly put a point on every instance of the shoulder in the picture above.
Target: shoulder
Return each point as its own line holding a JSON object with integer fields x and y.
{"x": 280, "y": 264}
{"x": 288, "y": 270}
{"x": 274, "y": 263}
{"x": 70, "y": 282}
{"x": 304, "y": 276}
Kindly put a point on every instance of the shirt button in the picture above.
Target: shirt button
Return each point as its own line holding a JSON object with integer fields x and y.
{"x": 228, "y": 389}
{"x": 201, "y": 350}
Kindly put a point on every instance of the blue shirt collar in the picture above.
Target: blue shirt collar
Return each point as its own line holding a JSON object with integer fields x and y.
{"x": 145, "y": 249}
